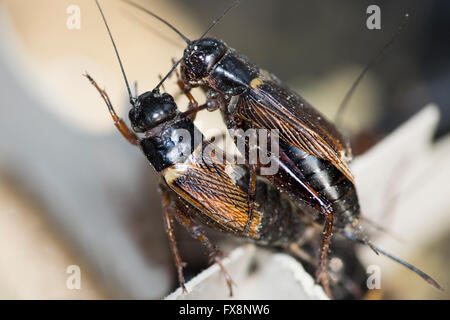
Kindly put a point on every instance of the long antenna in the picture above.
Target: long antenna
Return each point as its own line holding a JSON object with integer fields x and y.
{"x": 215, "y": 22}
{"x": 160, "y": 19}
{"x": 130, "y": 95}
{"x": 358, "y": 80}
{"x": 422, "y": 274}
{"x": 169, "y": 73}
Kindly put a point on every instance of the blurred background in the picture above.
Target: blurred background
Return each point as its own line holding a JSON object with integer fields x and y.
{"x": 73, "y": 192}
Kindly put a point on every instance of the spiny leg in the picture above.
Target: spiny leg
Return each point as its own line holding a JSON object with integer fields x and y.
{"x": 193, "y": 104}
{"x": 296, "y": 250}
{"x": 191, "y": 113}
{"x": 197, "y": 232}
{"x": 348, "y": 283}
{"x": 323, "y": 206}
{"x": 322, "y": 272}
{"x": 193, "y": 107}
{"x": 118, "y": 122}
{"x": 168, "y": 209}
{"x": 212, "y": 103}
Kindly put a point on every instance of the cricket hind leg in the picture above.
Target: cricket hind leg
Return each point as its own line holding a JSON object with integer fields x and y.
{"x": 347, "y": 275}
{"x": 197, "y": 232}
{"x": 168, "y": 206}
{"x": 321, "y": 266}
{"x": 322, "y": 205}
{"x": 322, "y": 270}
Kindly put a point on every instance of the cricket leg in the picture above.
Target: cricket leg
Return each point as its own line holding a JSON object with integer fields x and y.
{"x": 168, "y": 206}
{"x": 197, "y": 232}
{"x": 322, "y": 271}
{"x": 193, "y": 104}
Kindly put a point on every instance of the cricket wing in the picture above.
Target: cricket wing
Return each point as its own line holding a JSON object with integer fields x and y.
{"x": 212, "y": 189}
{"x": 270, "y": 105}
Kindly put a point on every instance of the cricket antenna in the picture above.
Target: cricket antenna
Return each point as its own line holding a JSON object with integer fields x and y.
{"x": 130, "y": 95}
{"x": 168, "y": 74}
{"x": 345, "y": 101}
{"x": 215, "y": 22}
{"x": 160, "y": 19}
{"x": 422, "y": 274}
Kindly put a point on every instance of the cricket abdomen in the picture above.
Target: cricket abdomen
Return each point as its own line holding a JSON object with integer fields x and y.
{"x": 330, "y": 183}
{"x": 282, "y": 222}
